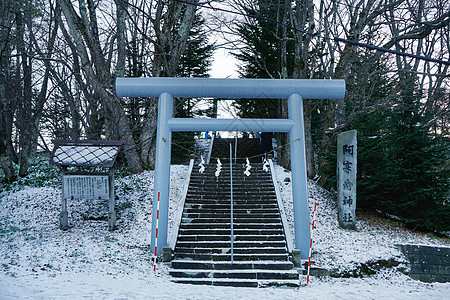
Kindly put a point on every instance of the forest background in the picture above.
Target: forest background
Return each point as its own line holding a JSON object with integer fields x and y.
{"x": 59, "y": 60}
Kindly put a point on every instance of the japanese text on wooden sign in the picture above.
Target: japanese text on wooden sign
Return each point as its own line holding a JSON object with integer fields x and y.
{"x": 86, "y": 186}
{"x": 347, "y": 179}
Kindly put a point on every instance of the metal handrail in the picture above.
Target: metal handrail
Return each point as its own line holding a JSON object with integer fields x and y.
{"x": 287, "y": 232}
{"x": 172, "y": 239}
{"x": 235, "y": 148}
{"x": 231, "y": 204}
{"x": 208, "y": 158}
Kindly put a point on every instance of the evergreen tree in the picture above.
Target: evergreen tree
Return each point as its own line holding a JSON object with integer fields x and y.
{"x": 402, "y": 169}
{"x": 261, "y": 57}
{"x": 414, "y": 181}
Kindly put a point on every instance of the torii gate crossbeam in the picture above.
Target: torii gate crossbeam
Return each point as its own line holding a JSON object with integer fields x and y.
{"x": 292, "y": 89}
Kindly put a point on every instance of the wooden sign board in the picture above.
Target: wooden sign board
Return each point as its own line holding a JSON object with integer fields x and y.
{"x": 86, "y": 186}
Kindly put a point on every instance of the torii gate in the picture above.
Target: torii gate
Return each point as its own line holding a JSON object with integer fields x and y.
{"x": 292, "y": 89}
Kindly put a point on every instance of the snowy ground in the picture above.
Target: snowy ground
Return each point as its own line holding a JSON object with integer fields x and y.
{"x": 39, "y": 261}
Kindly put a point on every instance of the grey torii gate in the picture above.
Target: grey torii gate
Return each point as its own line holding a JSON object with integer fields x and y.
{"x": 292, "y": 89}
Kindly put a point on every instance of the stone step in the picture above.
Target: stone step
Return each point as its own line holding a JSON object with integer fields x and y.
{"x": 237, "y": 206}
{"x": 225, "y": 220}
{"x": 227, "y": 231}
{"x": 238, "y": 201}
{"x": 236, "y": 215}
{"x": 224, "y": 178}
{"x": 228, "y": 210}
{"x": 236, "y": 250}
{"x": 241, "y": 274}
{"x": 221, "y": 193}
{"x": 238, "y": 282}
{"x": 238, "y": 265}
{"x": 237, "y": 238}
{"x": 239, "y": 195}
{"x": 236, "y": 257}
{"x": 225, "y": 194}
{"x": 225, "y": 244}
{"x": 250, "y": 189}
{"x": 209, "y": 175}
{"x": 208, "y": 225}
{"x": 237, "y": 184}
{"x": 256, "y": 168}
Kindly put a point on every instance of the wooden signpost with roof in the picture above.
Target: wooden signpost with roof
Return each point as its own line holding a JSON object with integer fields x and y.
{"x": 80, "y": 184}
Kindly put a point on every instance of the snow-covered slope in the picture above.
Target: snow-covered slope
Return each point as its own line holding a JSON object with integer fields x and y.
{"x": 341, "y": 249}
{"x": 39, "y": 261}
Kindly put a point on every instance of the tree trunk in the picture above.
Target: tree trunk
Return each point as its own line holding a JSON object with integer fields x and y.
{"x": 5, "y": 132}
{"x": 24, "y": 120}
{"x": 85, "y": 35}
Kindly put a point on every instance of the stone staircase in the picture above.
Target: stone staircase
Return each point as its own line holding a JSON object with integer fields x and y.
{"x": 202, "y": 254}
{"x": 247, "y": 147}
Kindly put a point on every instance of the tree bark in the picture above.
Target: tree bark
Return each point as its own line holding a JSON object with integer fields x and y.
{"x": 84, "y": 31}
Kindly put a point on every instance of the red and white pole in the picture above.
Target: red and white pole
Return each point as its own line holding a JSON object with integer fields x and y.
{"x": 156, "y": 233}
{"x": 310, "y": 244}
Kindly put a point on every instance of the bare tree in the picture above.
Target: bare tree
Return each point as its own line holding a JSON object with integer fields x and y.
{"x": 25, "y": 78}
{"x": 7, "y": 104}
{"x": 84, "y": 31}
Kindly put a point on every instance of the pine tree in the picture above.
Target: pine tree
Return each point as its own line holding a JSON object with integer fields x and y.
{"x": 261, "y": 58}
{"x": 414, "y": 182}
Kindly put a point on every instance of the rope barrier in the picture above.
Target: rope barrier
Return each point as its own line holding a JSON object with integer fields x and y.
{"x": 225, "y": 158}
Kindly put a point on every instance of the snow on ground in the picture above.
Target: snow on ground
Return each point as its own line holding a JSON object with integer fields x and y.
{"x": 337, "y": 248}
{"x": 39, "y": 261}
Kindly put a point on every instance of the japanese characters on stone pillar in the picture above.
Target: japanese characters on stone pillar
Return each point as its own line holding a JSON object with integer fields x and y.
{"x": 346, "y": 174}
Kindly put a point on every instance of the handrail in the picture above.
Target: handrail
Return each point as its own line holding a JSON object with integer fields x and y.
{"x": 235, "y": 148}
{"x": 172, "y": 240}
{"x": 231, "y": 204}
{"x": 208, "y": 158}
{"x": 287, "y": 232}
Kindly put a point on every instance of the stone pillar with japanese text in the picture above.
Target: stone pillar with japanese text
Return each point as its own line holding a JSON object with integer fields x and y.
{"x": 346, "y": 174}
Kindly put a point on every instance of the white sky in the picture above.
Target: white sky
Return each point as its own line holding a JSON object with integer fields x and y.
{"x": 224, "y": 65}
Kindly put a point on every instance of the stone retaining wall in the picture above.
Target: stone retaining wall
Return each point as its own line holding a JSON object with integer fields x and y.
{"x": 427, "y": 263}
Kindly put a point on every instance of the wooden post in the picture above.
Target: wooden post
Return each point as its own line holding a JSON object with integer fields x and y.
{"x": 63, "y": 215}
{"x": 112, "y": 202}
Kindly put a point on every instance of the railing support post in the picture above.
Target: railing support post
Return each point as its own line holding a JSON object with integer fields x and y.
{"x": 231, "y": 203}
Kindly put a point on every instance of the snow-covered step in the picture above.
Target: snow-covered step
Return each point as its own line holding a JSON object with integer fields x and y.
{"x": 237, "y": 238}
{"x": 237, "y": 265}
{"x": 263, "y": 206}
{"x": 224, "y": 244}
{"x": 225, "y": 198}
{"x": 236, "y": 215}
{"x": 239, "y": 282}
{"x": 225, "y": 220}
{"x": 227, "y": 231}
{"x": 236, "y": 203}
{"x": 248, "y": 189}
{"x": 235, "y": 225}
{"x": 224, "y": 210}
{"x": 249, "y": 251}
{"x": 236, "y": 257}
{"x": 240, "y": 274}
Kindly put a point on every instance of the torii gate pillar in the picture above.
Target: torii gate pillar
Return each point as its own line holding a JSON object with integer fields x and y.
{"x": 292, "y": 89}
